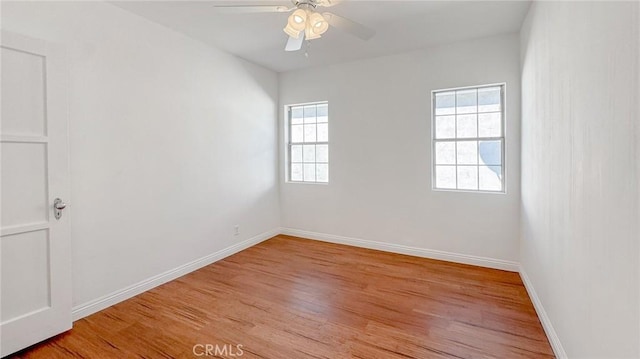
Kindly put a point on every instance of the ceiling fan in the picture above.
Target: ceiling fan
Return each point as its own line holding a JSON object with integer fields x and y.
{"x": 305, "y": 22}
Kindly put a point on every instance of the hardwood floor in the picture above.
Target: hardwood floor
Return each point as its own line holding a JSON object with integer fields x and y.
{"x": 295, "y": 298}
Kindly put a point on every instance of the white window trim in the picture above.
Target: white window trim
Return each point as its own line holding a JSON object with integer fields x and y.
{"x": 287, "y": 143}
{"x": 503, "y": 94}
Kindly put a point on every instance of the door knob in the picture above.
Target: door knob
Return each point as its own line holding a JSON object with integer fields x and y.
{"x": 58, "y": 206}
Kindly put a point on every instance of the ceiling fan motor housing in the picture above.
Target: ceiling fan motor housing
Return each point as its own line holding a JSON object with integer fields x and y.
{"x": 307, "y": 4}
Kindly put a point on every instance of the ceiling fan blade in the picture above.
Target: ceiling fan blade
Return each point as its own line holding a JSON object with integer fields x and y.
{"x": 243, "y": 9}
{"x": 294, "y": 44}
{"x": 329, "y": 3}
{"x": 349, "y": 26}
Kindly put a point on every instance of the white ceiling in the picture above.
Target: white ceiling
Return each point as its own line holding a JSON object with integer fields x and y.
{"x": 400, "y": 26}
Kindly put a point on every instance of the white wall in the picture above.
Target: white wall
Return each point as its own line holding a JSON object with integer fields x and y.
{"x": 172, "y": 143}
{"x": 580, "y": 172}
{"x": 380, "y": 151}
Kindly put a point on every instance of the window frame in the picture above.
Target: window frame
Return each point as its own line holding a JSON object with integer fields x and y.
{"x": 288, "y": 143}
{"x": 502, "y": 138}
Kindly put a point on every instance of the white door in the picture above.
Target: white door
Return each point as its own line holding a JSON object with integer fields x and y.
{"x": 35, "y": 252}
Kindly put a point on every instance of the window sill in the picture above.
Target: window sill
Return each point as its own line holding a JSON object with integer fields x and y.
{"x": 467, "y": 191}
{"x": 312, "y": 183}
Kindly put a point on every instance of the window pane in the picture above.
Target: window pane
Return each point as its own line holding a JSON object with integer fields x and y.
{"x": 310, "y": 172}
{"x": 468, "y": 177}
{"x": 445, "y": 127}
{"x": 490, "y": 124}
{"x": 323, "y": 112}
{"x": 467, "y": 153}
{"x": 296, "y": 115}
{"x": 466, "y": 101}
{"x": 446, "y": 177}
{"x": 467, "y": 126}
{"x": 296, "y": 172}
{"x": 322, "y": 153}
{"x": 445, "y": 153}
{"x": 296, "y": 153}
{"x": 322, "y": 172}
{"x": 310, "y": 114}
{"x": 309, "y": 153}
{"x": 446, "y": 103}
{"x": 490, "y": 178}
{"x": 491, "y": 152}
{"x": 309, "y": 133}
{"x": 296, "y": 133}
{"x": 323, "y": 132}
{"x": 489, "y": 99}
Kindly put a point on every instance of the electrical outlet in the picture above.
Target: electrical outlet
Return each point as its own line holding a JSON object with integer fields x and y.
{"x": 236, "y": 230}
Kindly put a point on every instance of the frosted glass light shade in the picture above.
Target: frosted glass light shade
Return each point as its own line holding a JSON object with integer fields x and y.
{"x": 291, "y": 31}
{"x": 298, "y": 20}
{"x": 309, "y": 34}
{"x": 318, "y": 23}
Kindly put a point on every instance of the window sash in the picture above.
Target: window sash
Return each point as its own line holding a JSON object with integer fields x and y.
{"x": 290, "y": 144}
{"x": 477, "y": 138}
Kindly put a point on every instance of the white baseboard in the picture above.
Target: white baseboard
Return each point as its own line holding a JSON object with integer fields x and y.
{"x": 556, "y": 345}
{"x": 412, "y": 251}
{"x": 118, "y": 296}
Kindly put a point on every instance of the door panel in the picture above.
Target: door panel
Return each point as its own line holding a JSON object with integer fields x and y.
{"x": 25, "y": 270}
{"x": 24, "y": 178}
{"x": 23, "y": 89}
{"x": 35, "y": 287}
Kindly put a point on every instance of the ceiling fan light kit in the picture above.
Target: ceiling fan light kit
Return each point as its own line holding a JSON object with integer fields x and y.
{"x": 312, "y": 23}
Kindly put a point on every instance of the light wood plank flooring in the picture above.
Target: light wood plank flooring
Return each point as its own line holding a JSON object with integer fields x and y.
{"x": 294, "y": 298}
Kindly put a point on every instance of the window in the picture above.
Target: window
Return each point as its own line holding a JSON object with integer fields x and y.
{"x": 308, "y": 143}
{"x": 468, "y": 139}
